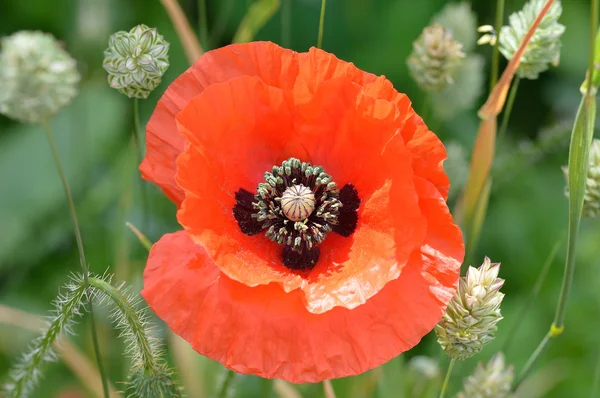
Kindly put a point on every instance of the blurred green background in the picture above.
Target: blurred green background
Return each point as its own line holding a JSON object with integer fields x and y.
{"x": 527, "y": 214}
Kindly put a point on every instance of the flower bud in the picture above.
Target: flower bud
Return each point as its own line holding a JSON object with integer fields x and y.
{"x": 471, "y": 317}
{"x": 136, "y": 61}
{"x": 435, "y": 58}
{"x": 543, "y": 48}
{"x": 591, "y": 199}
{"x": 492, "y": 380}
{"x": 37, "y": 77}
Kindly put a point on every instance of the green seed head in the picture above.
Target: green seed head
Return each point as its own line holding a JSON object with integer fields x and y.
{"x": 136, "y": 61}
{"x": 471, "y": 317}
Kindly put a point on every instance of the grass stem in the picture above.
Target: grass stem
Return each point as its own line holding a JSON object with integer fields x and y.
{"x": 82, "y": 260}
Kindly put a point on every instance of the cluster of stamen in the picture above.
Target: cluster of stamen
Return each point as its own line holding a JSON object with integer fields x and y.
{"x": 297, "y": 206}
{"x": 292, "y": 177}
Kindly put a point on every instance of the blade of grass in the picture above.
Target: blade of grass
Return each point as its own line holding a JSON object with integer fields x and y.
{"x": 495, "y": 102}
{"x": 321, "y": 24}
{"x": 189, "y": 40}
{"x": 259, "y": 13}
{"x": 581, "y": 138}
{"x": 82, "y": 260}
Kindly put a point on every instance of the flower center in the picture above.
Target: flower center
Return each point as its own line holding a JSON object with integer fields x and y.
{"x": 297, "y": 206}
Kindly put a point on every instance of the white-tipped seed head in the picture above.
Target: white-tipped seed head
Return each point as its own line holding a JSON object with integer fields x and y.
{"x": 543, "y": 49}
{"x": 136, "y": 61}
{"x": 471, "y": 317}
{"x": 37, "y": 77}
{"x": 492, "y": 380}
{"x": 435, "y": 58}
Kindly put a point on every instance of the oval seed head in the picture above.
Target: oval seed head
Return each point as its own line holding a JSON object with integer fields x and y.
{"x": 591, "y": 198}
{"x": 37, "y": 77}
{"x": 543, "y": 48}
{"x": 136, "y": 61}
{"x": 471, "y": 317}
{"x": 298, "y": 202}
{"x": 492, "y": 380}
{"x": 435, "y": 58}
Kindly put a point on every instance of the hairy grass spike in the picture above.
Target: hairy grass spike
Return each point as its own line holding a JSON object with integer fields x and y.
{"x": 149, "y": 375}
{"x": 26, "y": 374}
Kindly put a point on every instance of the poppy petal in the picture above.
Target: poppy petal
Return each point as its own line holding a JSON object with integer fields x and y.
{"x": 238, "y": 129}
{"x": 427, "y": 150}
{"x": 219, "y": 316}
{"x": 275, "y": 65}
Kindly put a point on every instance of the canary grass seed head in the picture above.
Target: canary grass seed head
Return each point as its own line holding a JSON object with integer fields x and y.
{"x": 136, "y": 61}
{"x": 544, "y": 47}
{"x": 435, "y": 58}
{"x": 37, "y": 77}
{"x": 491, "y": 380}
{"x": 471, "y": 317}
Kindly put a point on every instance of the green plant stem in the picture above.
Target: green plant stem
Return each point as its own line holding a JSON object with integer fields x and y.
{"x": 321, "y": 24}
{"x": 593, "y": 27}
{"x": 140, "y": 157}
{"x": 496, "y": 51}
{"x": 538, "y": 351}
{"x": 596, "y": 382}
{"x": 82, "y": 260}
{"x": 141, "y": 237}
{"x": 447, "y": 379}
{"x": 266, "y": 388}
{"x": 581, "y": 137}
{"x": 286, "y": 23}
{"x": 534, "y": 293}
{"x": 507, "y": 111}
{"x": 136, "y": 128}
{"x": 203, "y": 19}
{"x": 227, "y": 383}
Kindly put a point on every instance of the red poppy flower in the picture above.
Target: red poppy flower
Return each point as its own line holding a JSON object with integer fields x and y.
{"x": 317, "y": 242}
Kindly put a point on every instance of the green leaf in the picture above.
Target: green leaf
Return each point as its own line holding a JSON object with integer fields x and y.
{"x": 581, "y": 140}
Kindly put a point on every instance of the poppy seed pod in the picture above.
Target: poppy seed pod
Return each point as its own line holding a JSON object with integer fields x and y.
{"x": 543, "y": 48}
{"x": 492, "y": 380}
{"x": 471, "y": 317}
{"x": 37, "y": 77}
{"x": 591, "y": 199}
{"x": 136, "y": 61}
{"x": 435, "y": 58}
